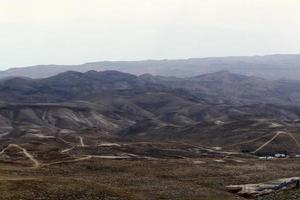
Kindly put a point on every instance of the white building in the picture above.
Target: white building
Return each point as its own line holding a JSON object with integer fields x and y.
{"x": 280, "y": 155}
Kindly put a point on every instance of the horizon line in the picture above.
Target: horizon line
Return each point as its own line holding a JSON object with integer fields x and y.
{"x": 162, "y": 59}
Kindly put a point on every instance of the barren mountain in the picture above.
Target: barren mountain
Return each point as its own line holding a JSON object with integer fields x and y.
{"x": 215, "y": 109}
{"x": 269, "y": 67}
{"x": 226, "y": 87}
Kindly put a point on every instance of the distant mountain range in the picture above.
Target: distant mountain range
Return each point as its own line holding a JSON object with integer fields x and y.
{"x": 220, "y": 87}
{"x": 219, "y": 108}
{"x": 269, "y": 67}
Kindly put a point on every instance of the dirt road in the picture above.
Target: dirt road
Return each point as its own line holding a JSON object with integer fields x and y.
{"x": 36, "y": 163}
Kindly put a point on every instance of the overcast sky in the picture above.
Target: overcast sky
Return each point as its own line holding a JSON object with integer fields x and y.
{"x": 77, "y": 31}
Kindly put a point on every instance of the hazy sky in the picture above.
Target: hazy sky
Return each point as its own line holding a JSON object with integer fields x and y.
{"x": 76, "y": 31}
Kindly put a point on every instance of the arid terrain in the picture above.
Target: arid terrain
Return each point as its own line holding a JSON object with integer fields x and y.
{"x": 112, "y": 135}
{"x": 95, "y": 168}
{"x": 149, "y": 100}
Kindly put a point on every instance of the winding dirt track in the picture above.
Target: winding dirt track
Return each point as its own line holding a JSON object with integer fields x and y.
{"x": 71, "y": 145}
{"x": 36, "y": 163}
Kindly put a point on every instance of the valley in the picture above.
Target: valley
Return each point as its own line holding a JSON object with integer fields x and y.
{"x": 131, "y": 170}
{"x": 149, "y": 100}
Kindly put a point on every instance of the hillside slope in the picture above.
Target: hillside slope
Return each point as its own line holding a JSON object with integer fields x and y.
{"x": 218, "y": 109}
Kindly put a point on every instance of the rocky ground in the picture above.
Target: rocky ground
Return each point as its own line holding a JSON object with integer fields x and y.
{"x": 119, "y": 170}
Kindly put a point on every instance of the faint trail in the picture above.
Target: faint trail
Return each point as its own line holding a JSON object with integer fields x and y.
{"x": 211, "y": 150}
{"x": 44, "y": 116}
{"x": 268, "y": 142}
{"x": 112, "y": 157}
{"x": 81, "y": 141}
{"x": 69, "y": 161}
{"x": 67, "y": 143}
{"x": 64, "y": 141}
{"x": 188, "y": 144}
{"x": 88, "y": 157}
{"x": 67, "y": 150}
{"x": 36, "y": 163}
{"x": 81, "y": 144}
{"x": 17, "y": 178}
{"x": 4, "y": 134}
{"x": 3, "y": 150}
{"x": 248, "y": 141}
{"x": 293, "y": 138}
{"x": 274, "y": 137}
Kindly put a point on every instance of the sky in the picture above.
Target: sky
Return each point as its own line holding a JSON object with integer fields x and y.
{"x": 77, "y": 31}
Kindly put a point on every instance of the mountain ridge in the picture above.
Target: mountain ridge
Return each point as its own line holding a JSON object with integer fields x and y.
{"x": 215, "y": 108}
{"x": 277, "y": 66}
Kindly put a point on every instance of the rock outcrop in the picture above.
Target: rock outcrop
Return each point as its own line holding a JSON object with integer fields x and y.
{"x": 254, "y": 190}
